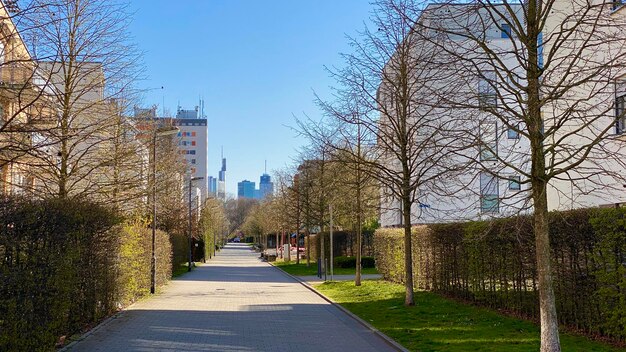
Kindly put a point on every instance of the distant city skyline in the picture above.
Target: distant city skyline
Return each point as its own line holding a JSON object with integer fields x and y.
{"x": 203, "y": 54}
{"x": 247, "y": 188}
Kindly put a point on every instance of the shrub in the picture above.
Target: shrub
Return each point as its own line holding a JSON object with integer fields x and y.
{"x": 66, "y": 264}
{"x": 368, "y": 262}
{"x": 493, "y": 263}
{"x": 345, "y": 262}
{"x": 350, "y": 262}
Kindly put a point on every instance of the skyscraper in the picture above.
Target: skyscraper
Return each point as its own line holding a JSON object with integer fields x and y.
{"x": 266, "y": 186}
{"x": 221, "y": 183}
{"x": 246, "y": 189}
{"x": 212, "y": 183}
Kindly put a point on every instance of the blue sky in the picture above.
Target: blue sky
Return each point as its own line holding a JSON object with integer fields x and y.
{"x": 256, "y": 63}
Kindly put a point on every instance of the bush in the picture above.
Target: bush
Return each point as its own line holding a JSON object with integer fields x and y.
{"x": 345, "y": 262}
{"x": 368, "y": 262}
{"x": 66, "y": 264}
{"x": 350, "y": 262}
{"x": 493, "y": 263}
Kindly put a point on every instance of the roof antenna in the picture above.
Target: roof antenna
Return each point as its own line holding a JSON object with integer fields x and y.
{"x": 266, "y": 166}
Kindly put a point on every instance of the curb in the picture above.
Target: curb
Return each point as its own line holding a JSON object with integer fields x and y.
{"x": 104, "y": 323}
{"x": 377, "y": 332}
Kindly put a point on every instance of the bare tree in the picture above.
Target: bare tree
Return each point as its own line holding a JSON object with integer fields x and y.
{"x": 549, "y": 75}
{"x": 88, "y": 64}
{"x": 237, "y": 210}
{"x": 24, "y": 110}
{"x": 380, "y": 92}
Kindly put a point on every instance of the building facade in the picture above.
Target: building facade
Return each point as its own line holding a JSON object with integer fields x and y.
{"x": 489, "y": 101}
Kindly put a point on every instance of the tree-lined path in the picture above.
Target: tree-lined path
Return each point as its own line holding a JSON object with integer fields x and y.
{"x": 234, "y": 303}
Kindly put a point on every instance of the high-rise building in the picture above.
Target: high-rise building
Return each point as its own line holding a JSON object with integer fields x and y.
{"x": 266, "y": 186}
{"x": 246, "y": 189}
{"x": 221, "y": 183}
{"x": 212, "y": 183}
{"x": 192, "y": 140}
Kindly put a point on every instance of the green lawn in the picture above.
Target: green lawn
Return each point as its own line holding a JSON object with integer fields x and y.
{"x": 439, "y": 324}
{"x": 302, "y": 270}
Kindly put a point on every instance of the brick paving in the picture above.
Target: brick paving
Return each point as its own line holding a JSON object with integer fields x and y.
{"x": 233, "y": 303}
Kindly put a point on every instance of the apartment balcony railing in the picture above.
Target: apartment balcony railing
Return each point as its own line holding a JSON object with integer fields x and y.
{"x": 15, "y": 75}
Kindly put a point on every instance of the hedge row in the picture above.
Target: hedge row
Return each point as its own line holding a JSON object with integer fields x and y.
{"x": 65, "y": 265}
{"x": 344, "y": 244}
{"x": 350, "y": 262}
{"x": 493, "y": 263}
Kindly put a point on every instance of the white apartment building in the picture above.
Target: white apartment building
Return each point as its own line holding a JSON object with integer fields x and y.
{"x": 192, "y": 140}
{"x": 492, "y": 183}
{"x": 193, "y": 145}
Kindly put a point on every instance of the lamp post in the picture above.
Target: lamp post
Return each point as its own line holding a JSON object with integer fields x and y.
{"x": 191, "y": 179}
{"x": 158, "y": 132}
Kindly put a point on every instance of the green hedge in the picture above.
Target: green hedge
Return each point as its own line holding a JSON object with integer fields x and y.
{"x": 493, "y": 263}
{"x": 66, "y": 264}
{"x": 350, "y": 262}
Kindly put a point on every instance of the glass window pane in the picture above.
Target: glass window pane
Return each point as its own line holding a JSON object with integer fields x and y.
{"x": 514, "y": 183}
{"x": 506, "y": 31}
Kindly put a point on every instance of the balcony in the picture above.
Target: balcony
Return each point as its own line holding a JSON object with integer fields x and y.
{"x": 14, "y": 75}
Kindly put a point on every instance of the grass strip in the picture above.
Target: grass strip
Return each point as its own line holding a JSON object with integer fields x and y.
{"x": 439, "y": 324}
{"x": 302, "y": 270}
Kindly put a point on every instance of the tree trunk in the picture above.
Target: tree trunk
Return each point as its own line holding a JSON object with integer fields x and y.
{"x": 547, "y": 305}
{"x": 357, "y": 276}
{"x": 408, "y": 260}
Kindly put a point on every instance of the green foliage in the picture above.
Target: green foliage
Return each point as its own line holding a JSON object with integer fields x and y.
{"x": 439, "y": 324}
{"x": 135, "y": 259}
{"x": 311, "y": 270}
{"x": 64, "y": 265}
{"x": 345, "y": 262}
{"x": 609, "y": 252}
{"x": 492, "y": 263}
{"x": 350, "y": 262}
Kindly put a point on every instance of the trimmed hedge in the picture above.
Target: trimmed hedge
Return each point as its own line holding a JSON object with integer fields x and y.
{"x": 66, "y": 264}
{"x": 492, "y": 263}
{"x": 350, "y": 262}
{"x": 344, "y": 244}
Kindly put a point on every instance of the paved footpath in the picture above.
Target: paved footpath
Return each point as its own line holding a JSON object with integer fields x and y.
{"x": 234, "y": 303}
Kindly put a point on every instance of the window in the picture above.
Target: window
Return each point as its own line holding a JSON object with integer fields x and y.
{"x": 617, "y": 4}
{"x": 488, "y": 141}
{"x": 487, "y": 97}
{"x": 513, "y": 133}
{"x": 540, "y": 50}
{"x": 506, "y": 31}
{"x": 193, "y": 161}
{"x": 193, "y": 134}
{"x": 514, "y": 183}
{"x": 192, "y": 152}
{"x": 620, "y": 119}
{"x": 489, "y": 201}
{"x": 620, "y": 105}
{"x": 193, "y": 143}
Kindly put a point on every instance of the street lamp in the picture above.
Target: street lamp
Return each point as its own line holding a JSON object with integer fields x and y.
{"x": 191, "y": 179}
{"x": 158, "y": 132}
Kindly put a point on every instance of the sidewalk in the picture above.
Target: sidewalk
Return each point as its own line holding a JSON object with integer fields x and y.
{"x": 233, "y": 303}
